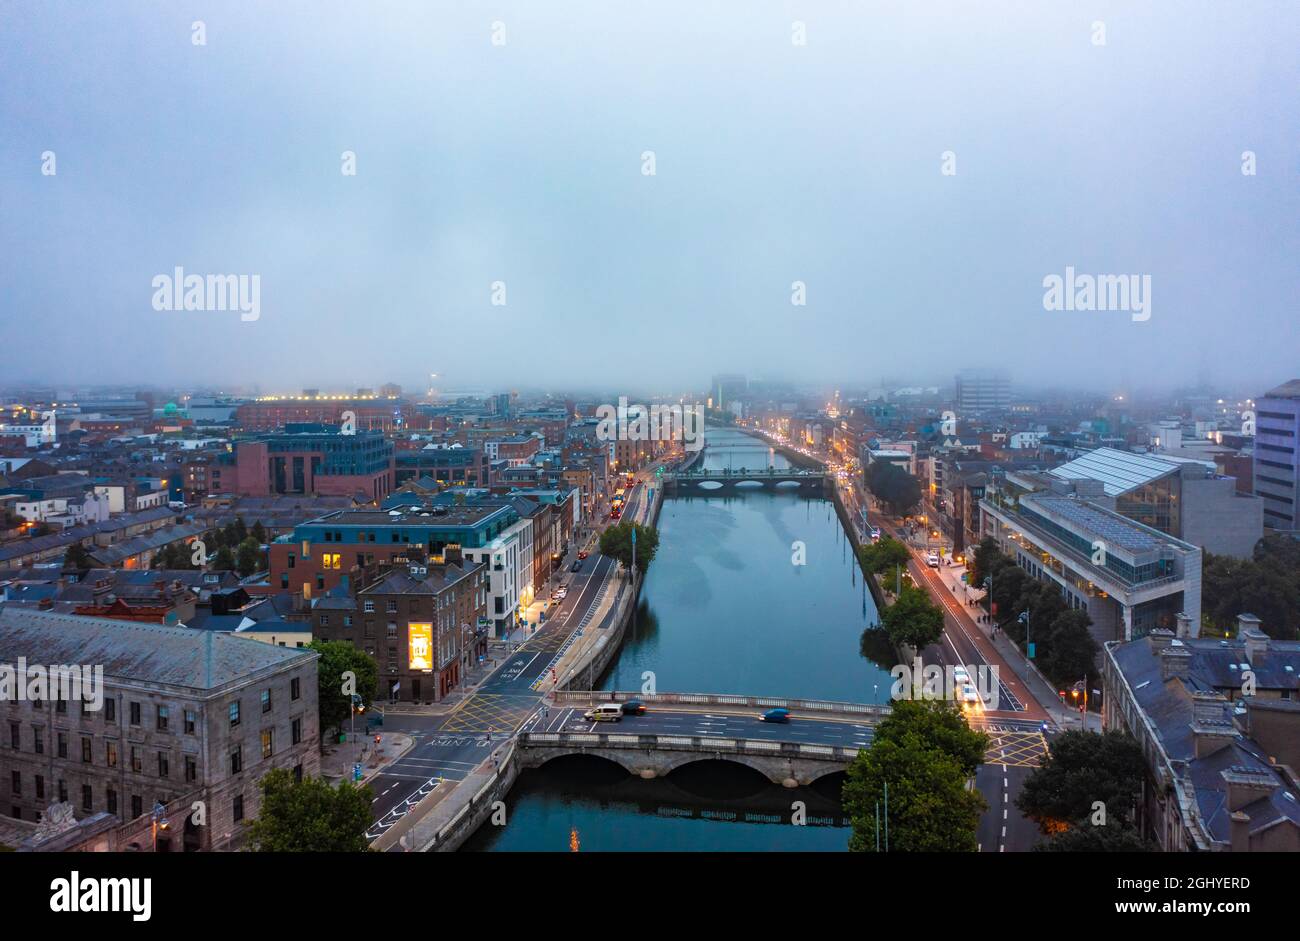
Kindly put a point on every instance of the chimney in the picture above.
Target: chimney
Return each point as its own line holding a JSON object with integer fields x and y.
{"x": 1159, "y": 638}
{"x": 1212, "y": 731}
{"x": 1240, "y": 832}
{"x": 1246, "y": 785}
{"x": 1175, "y": 662}
{"x": 1256, "y": 640}
{"x": 1187, "y": 627}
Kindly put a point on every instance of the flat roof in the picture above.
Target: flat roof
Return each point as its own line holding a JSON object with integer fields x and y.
{"x": 1121, "y": 471}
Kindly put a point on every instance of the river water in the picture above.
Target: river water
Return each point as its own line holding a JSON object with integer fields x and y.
{"x": 725, "y": 608}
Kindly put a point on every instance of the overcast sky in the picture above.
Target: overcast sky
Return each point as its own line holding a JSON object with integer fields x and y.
{"x": 774, "y": 162}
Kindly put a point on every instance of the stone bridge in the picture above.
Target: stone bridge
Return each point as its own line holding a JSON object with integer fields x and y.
{"x": 650, "y": 756}
{"x": 711, "y": 481}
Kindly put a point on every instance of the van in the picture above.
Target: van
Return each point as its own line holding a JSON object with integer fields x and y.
{"x": 607, "y": 712}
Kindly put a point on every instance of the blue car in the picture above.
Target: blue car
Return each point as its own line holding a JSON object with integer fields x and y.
{"x": 774, "y": 715}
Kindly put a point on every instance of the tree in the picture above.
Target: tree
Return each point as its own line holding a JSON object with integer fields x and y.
{"x": 1082, "y": 768}
{"x": 941, "y": 724}
{"x": 893, "y": 486}
{"x": 1090, "y": 839}
{"x": 77, "y": 558}
{"x": 930, "y": 809}
{"x": 986, "y": 560}
{"x": 248, "y": 557}
{"x": 224, "y": 560}
{"x": 258, "y": 532}
{"x": 310, "y": 816}
{"x": 616, "y": 542}
{"x": 1266, "y": 585}
{"x": 1070, "y": 653}
{"x": 913, "y": 619}
{"x": 884, "y": 556}
{"x": 336, "y": 658}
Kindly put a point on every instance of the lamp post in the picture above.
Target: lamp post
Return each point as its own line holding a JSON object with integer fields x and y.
{"x": 160, "y": 822}
{"x": 1029, "y": 644}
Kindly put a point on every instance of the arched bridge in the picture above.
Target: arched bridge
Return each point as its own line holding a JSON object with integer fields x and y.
{"x": 678, "y": 729}
{"x": 711, "y": 481}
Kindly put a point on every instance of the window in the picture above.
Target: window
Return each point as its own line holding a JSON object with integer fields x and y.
{"x": 16, "y": 784}
{"x": 86, "y": 741}
{"x": 164, "y": 765}
{"x": 87, "y": 798}
{"x": 110, "y": 800}
{"x": 190, "y": 721}
{"x": 137, "y": 762}
{"x": 369, "y": 607}
{"x": 295, "y": 732}
{"x": 191, "y": 768}
{"x": 135, "y": 713}
{"x": 110, "y": 753}
{"x": 163, "y": 713}
{"x": 237, "y": 807}
{"x": 347, "y": 620}
{"x": 324, "y": 620}
{"x": 392, "y": 628}
{"x": 295, "y": 688}
{"x": 63, "y": 791}
{"x": 40, "y": 787}
{"x": 110, "y": 710}
{"x": 297, "y": 773}
{"x": 137, "y": 806}
{"x": 266, "y": 700}
{"x": 61, "y": 744}
{"x": 234, "y": 713}
{"x": 237, "y": 760}
{"x": 268, "y": 740}
{"x": 15, "y": 736}
{"x": 61, "y": 707}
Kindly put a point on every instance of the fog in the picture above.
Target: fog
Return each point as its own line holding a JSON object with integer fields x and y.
{"x": 585, "y": 193}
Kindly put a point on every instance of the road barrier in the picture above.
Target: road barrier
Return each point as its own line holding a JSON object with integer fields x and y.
{"x": 703, "y": 743}
{"x": 830, "y": 708}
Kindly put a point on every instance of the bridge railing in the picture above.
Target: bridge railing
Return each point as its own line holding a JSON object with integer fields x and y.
{"x": 744, "y": 473}
{"x": 702, "y": 743}
{"x": 809, "y": 707}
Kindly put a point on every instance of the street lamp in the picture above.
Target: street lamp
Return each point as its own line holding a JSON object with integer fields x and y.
{"x": 160, "y": 822}
{"x": 1029, "y": 645}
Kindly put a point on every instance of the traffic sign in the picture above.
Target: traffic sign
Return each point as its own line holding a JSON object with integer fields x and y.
{"x": 1031, "y": 651}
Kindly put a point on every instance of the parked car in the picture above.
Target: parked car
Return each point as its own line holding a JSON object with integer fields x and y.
{"x": 634, "y": 707}
{"x": 774, "y": 715}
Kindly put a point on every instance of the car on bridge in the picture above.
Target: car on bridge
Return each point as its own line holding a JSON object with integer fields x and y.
{"x": 606, "y": 712}
{"x": 774, "y": 715}
{"x": 634, "y": 707}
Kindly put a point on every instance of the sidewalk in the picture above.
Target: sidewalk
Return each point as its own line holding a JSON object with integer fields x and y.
{"x": 337, "y": 760}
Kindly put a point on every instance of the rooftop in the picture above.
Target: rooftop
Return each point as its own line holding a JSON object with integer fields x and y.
{"x": 1121, "y": 471}
{"x": 128, "y": 650}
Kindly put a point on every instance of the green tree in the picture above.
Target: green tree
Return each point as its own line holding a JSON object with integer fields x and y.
{"x": 336, "y": 658}
{"x": 258, "y": 532}
{"x": 310, "y": 816}
{"x": 1070, "y": 652}
{"x": 930, "y": 809}
{"x": 224, "y": 560}
{"x": 77, "y": 558}
{"x": 1266, "y": 585}
{"x": 248, "y": 558}
{"x": 1080, "y": 769}
{"x": 941, "y": 724}
{"x": 1090, "y": 839}
{"x": 616, "y": 542}
{"x": 913, "y": 619}
{"x": 893, "y": 486}
{"x": 884, "y": 556}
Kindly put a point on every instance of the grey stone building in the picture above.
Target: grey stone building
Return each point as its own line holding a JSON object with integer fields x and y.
{"x": 186, "y": 717}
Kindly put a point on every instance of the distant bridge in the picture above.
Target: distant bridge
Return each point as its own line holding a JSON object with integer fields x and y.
{"x": 711, "y": 481}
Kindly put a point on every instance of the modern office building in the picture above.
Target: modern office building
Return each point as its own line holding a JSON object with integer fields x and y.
{"x": 185, "y": 716}
{"x": 1277, "y": 465}
{"x": 1129, "y": 577}
{"x": 980, "y": 391}
{"x": 1183, "y": 497}
{"x": 450, "y": 466}
{"x": 1221, "y": 762}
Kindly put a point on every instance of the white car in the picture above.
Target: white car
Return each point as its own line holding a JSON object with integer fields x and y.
{"x": 932, "y": 560}
{"x": 970, "y": 697}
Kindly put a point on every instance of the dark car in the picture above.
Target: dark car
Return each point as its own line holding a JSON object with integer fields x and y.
{"x": 634, "y": 707}
{"x": 576, "y": 566}
{"x": 774, "y": 715}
